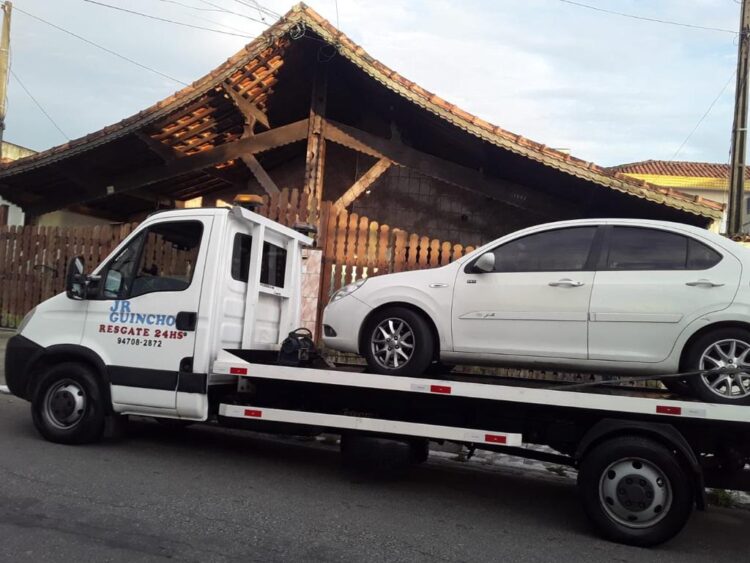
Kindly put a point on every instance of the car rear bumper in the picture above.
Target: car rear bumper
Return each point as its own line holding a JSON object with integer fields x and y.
{"x": 19, "y": 355}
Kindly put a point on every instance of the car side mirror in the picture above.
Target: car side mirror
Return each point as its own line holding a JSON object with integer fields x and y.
{"x": 486, "y": 262}
{"x": 75, "y": 280}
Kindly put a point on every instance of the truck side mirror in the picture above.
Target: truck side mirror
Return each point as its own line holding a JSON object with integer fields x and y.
{"x": 75, "y": 280}
{"x": 486, "y": 262}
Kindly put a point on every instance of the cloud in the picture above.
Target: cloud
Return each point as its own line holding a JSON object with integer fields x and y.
{"x": 610, "y": 89}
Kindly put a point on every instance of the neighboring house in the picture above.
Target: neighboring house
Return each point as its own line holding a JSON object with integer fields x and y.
{"x": 12, "y": 214}
{"x": 305, "y": 108}
{"x": 709, "y": 180}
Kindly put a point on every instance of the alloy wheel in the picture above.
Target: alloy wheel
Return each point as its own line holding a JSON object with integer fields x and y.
{"x": 392, "y": 343}
{"x": 729, "y": 353}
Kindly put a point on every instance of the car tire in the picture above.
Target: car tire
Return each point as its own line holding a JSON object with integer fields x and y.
{"x": 387, "y": 337}
{"x": 709, "y": 346}
{"x": 67, "y": 405}
{"x": 644, "y": 475}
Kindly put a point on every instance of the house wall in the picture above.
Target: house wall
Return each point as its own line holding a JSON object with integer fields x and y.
{"x": 69, "y": 219}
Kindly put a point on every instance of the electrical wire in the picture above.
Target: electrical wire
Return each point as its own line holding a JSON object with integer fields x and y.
{"x": 105, "y": 49}
{"x": 167, "y": 20}
{"x": 260, "y": 8}
{"x": 643, "y": 18}
{"x": 203, "y": 18}
{"x": 226, "y": 11}
{"x": 33, "y": 99}
{"x": 705, "y": 114}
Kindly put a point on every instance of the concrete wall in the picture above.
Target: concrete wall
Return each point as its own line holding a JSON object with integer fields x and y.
{"x": 69, "y": 219}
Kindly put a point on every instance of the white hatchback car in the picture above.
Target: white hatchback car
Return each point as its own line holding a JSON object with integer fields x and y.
{"x": 597, "y": 295}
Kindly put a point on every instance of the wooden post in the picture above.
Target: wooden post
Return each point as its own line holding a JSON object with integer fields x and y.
{"x": 316, "y": 144}
{"x": 4, "y": 212}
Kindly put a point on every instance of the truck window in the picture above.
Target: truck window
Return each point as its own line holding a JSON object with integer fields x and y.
{"x": 273, "y": 261}
{"x": 165, "y": 255}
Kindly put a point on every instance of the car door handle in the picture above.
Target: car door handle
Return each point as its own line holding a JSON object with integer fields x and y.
{"x": 703, "y": 283}
{"x": 565, "y": 282}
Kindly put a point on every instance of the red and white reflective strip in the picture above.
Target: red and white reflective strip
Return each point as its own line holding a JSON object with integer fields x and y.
{"x": 694, "y": 412}
{"x": 431, "y": 388}
{"x": 398, "y": 427}
{"x": 237, "y": 371}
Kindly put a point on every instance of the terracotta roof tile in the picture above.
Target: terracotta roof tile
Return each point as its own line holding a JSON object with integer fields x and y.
{"x": 677, "y": 168}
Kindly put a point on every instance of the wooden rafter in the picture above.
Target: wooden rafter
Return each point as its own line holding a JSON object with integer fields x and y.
{"x": 163, "y": 151}
{"x": 362, "y": 184}
{"x": 250, "y": 112}
{"x": 455, "y": 174}
{"x": 222, "y": 153}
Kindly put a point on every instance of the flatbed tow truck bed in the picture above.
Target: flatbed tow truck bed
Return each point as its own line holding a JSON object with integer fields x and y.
{"x": 626, "y": 442}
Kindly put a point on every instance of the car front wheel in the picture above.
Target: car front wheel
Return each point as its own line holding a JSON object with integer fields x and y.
{"x": 723, "y": 348}
{"x": 398, "y": 341}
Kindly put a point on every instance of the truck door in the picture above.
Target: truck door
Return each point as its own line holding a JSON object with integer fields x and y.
{"x": 143, "y": 323}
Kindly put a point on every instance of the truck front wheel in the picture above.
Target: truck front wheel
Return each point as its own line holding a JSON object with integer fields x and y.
{"x": 635, "y": 491}
{"x": 67, "y": 405}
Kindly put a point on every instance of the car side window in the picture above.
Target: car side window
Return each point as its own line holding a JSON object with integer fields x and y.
{"x": 559, "y": 250}
{"x": 637, "y": 248}
{"x": 162, "y": 258}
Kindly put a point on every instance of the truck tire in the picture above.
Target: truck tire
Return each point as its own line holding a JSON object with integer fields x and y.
{"x": 67, "y": 405}
{"x": 398, "y": 341}
{"x": 719, "y": 348}
{"x": 635, "y": 491}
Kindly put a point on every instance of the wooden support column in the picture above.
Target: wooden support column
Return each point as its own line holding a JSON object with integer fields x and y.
{"x": 4, "y": 213}
{"x": 316, "y": 144}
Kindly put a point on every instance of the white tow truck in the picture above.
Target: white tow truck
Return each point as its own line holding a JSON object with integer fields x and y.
{"x": 185, "y": 321}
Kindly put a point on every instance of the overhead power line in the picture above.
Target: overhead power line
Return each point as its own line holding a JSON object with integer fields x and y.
{"x": 33, "y": 99}
{"x": 167, "y": 20}
{"x": 256, "y": 5}
{"x": 226, "y": 11}
{"x": 203, "y": 18}
{"x": 105, "y": 49}
{"x": 705, "y": 114}
{"x": 644, "y": 18}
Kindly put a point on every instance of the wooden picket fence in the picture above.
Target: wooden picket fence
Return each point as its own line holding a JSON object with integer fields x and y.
{"x": 33, "y": 262}
{"x": 33, "y": 259}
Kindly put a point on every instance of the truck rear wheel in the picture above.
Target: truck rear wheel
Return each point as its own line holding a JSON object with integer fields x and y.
{"x": 67, "y": 405}
{"x": 635, "y": 491}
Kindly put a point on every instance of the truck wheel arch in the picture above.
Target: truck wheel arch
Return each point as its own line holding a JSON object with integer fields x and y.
{"x": 666, "y": 434}
{"x": 69, "y": 353}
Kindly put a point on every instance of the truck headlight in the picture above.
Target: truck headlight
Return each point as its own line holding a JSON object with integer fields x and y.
{"x": 347, "y": 290}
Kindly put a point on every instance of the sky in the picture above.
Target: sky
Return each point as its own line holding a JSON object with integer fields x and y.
{"x": 610, "y": 89}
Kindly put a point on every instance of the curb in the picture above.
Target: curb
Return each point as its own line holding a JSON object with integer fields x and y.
{"x": 4, "y": 389}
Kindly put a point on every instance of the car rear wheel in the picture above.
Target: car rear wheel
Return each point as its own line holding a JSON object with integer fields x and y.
{"x": 723, "y": 348}
{"x": 398, "y": 341}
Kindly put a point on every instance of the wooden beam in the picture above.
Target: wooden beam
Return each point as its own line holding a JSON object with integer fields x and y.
{"x": 4, "y": 213}
{"x": 163, "y": 151}
{"x": 260, "y": 174}
{"x": 267, "y": 140}
{"x": 504, "y": 191}
{"x": 248, "y": 109}
{"x": 90, "y": 183}
{"x": 362, "y": 184}
{"x": 316, "y": 143}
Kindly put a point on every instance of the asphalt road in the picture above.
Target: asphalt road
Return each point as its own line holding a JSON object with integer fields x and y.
{"x": 207, "y": 494}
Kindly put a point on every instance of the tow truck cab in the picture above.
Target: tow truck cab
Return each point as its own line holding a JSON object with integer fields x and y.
{"x": 151, "y": 317}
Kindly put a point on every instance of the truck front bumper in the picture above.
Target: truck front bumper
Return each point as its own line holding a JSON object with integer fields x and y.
{"x": 19, "y": 354}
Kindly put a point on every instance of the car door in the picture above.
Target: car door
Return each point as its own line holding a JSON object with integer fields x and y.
{"x": 650, "y": 284}
{"x": 534, "y": 303}
{"x": 143, "y": 323}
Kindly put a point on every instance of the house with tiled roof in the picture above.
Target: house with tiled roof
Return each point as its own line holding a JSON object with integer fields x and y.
{"x": 705, "y": 179}
{"x": 303, "y": 107}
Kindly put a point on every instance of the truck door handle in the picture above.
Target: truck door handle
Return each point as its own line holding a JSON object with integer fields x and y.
{"x": 703, "y": 283}
{"x": 566, "y": 282}
{"x": 186, "y": 321}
